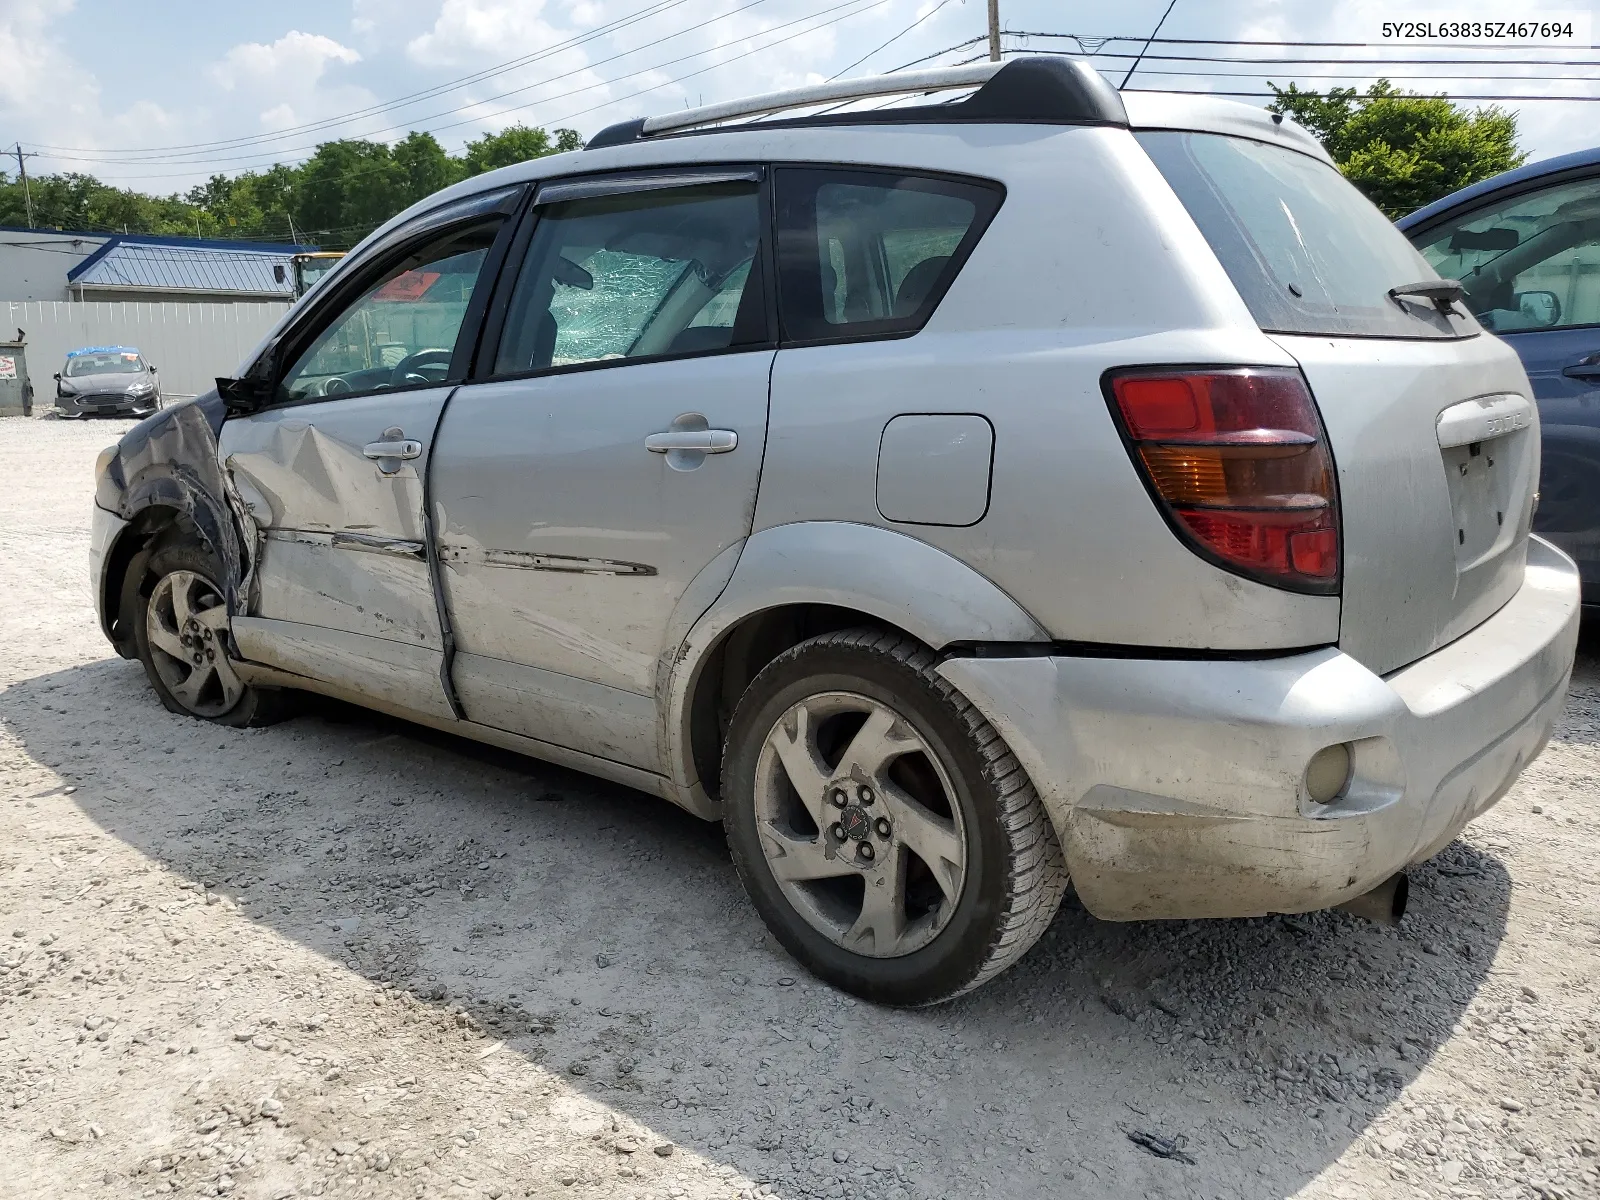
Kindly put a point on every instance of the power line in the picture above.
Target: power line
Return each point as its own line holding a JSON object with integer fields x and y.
{"x": 1393, "y": 78}
{"x": 260, "y": 158}
{"x": 633, "y": 18}
{"x": 1169, "y": 41}
{"x": 1399, "y": 62}
{"x": 1274, "y": 95}
{"x": 176, "y": 157}
{"x": 1145, "y": 48}
{"x": 890, "y": 42}
{"x": 857, "y": 7}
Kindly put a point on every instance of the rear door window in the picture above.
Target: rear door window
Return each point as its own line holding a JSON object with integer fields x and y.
{"x": 1307, "y": 251}
{"x": 865, "y": 254}
{"x": 637, "y": 275}
{"x": 1529, "y": 262}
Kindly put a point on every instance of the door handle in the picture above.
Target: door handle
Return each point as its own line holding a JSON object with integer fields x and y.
{"x": 1588, "y": 369}
{"x": 401, "y": 448}
{"x": 706, "y": 441}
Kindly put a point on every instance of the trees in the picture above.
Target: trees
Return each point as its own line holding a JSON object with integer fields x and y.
{"x": 341, "y": 193}
{"x": 1402, "y": 149}
{"x": 514, "y": 144}
{"x": 74, "y": 201}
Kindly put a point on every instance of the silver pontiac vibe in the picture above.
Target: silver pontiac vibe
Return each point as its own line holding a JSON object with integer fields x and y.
{"x": 952, "y": 498}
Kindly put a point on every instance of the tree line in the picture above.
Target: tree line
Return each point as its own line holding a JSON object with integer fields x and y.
{"x": 1400, "y": 148}
{"x": 335, "y": 198}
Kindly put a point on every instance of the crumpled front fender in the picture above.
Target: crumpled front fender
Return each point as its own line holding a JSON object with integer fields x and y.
{"x": 169, "y": 461}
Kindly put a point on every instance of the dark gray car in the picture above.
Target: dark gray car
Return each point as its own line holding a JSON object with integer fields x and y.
{"x": 107, "y": 380}
{"x": 1526, "y": 247}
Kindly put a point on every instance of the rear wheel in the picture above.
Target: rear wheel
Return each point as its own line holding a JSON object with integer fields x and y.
{"x": 881, "y": 826}
{"x": 183, "y": 640}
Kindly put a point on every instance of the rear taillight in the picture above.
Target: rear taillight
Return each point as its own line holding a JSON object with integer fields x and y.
{"x": 1239, "y": 463}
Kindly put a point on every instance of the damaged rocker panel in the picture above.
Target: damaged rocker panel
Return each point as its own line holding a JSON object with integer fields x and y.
{"x": 527, "y": 560}
{"x": 345, "y": 539}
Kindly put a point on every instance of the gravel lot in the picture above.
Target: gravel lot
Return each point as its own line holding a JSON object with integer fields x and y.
{"x": 349, "y": 957}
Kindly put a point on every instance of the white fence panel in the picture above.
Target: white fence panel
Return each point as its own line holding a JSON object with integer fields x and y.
{"x": 190, "y": 344}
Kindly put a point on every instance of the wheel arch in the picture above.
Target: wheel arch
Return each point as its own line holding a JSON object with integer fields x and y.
{"x": 796, "y": 581}
{"x": 124, "y": 560}
{"x": 166, "y": 474}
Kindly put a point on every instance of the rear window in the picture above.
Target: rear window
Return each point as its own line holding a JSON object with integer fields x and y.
{"x": 1307, "y": 251}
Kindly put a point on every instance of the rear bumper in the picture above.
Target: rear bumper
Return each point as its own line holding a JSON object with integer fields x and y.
{"x": 1177, "y": 787}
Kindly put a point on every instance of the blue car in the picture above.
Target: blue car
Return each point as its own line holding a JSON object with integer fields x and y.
{"x": 1526, "y": 247}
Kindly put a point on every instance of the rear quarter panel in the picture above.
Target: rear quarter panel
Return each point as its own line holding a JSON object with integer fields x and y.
{"x": 1091, "y": 263}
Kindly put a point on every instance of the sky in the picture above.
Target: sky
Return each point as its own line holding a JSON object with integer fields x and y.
{"x": 160, "y": 94}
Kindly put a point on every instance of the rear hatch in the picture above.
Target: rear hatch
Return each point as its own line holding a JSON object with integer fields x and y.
{"x": 1430, "y": 420}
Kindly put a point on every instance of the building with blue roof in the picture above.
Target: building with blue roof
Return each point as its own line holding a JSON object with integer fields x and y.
{"x": 51, "y": 264}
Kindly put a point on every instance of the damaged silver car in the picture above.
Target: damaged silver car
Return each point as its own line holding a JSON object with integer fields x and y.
{"x": 952, "y": 499}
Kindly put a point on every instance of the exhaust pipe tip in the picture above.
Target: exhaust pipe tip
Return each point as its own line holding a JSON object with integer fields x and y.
{"x": 1385, "y": 904}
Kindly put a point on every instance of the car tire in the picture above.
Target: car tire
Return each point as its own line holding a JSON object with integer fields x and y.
{"x": 182, "y": 615}
{"x": 961, "y": 871}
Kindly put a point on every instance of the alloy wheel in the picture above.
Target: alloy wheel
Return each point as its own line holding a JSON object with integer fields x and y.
{"x": 185, "y": 623}
{"x": 858, "y": 822}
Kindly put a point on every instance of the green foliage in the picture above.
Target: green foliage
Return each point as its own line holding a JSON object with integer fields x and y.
{"x": 75, "y": 201}
{"x": 1402, "y": 149}
{"x": 335, "y": 198}
{"x": 515, "y": 144}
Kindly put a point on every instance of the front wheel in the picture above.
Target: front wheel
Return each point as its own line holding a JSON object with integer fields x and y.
{"x": 183, "y": 642}
{"x": 881, "y": 826}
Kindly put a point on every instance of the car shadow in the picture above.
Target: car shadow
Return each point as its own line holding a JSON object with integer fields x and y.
{"x": 1256, "y": 1049}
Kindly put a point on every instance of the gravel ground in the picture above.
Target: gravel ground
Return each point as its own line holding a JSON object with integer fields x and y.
{"x": 348, "y": 957}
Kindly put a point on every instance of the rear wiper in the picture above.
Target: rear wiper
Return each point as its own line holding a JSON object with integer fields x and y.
{"x": 1443, "y": 292}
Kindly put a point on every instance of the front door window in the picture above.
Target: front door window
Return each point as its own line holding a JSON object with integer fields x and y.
{"x": 401, "y": 330}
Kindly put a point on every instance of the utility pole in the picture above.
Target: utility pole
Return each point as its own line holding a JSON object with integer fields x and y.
{"x": 294, "y": 239}
{"x": 22, "y": 170}
{"x": 994, "y": 30}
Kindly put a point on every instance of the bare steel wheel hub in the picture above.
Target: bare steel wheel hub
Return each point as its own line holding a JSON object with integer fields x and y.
{"x": 859, "y": 824}
{"x": 184, "y": 624}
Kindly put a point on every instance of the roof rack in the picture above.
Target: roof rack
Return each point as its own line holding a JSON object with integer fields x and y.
{"x": 1053, "y": 90}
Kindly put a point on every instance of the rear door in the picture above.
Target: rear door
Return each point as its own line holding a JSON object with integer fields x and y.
{"x": 333, "y": 471}
{"x": 1433, "y": 432}
{"x": 1531, "y": 265}
{"x": 607, "y": 465}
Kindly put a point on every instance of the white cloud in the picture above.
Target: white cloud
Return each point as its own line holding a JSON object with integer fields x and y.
{"x": 477, "y": 32}
{"x": 287, "y": 82}
{"x": 32, "y": 56}
{"x": 296, "y": 60}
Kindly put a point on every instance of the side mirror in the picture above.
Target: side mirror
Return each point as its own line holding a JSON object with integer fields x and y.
{"x": 1540, "y": 309}
{"x": 246, "y": 395}
{"x": 58, "y": 376}
{"x": 152, "y": 367}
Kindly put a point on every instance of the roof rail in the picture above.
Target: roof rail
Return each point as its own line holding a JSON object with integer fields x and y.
{"x": 1049, "y": 90}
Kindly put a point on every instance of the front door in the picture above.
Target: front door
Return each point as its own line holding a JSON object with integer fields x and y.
{"x": 333, "y": 473}
{"x": 610, "y": 460}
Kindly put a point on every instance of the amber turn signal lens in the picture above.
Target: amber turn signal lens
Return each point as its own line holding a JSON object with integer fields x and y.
{"x": 1239, "y": 461}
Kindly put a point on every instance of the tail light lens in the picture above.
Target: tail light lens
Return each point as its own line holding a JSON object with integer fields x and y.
{"x": 1239, "y": 463}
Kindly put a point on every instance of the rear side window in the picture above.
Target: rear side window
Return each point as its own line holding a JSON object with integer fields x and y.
{"x": 865, "y": 254}
{"x": 1307, "y": 251}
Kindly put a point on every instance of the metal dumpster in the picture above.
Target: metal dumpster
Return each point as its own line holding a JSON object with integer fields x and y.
{"x": 16, "y": 391}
